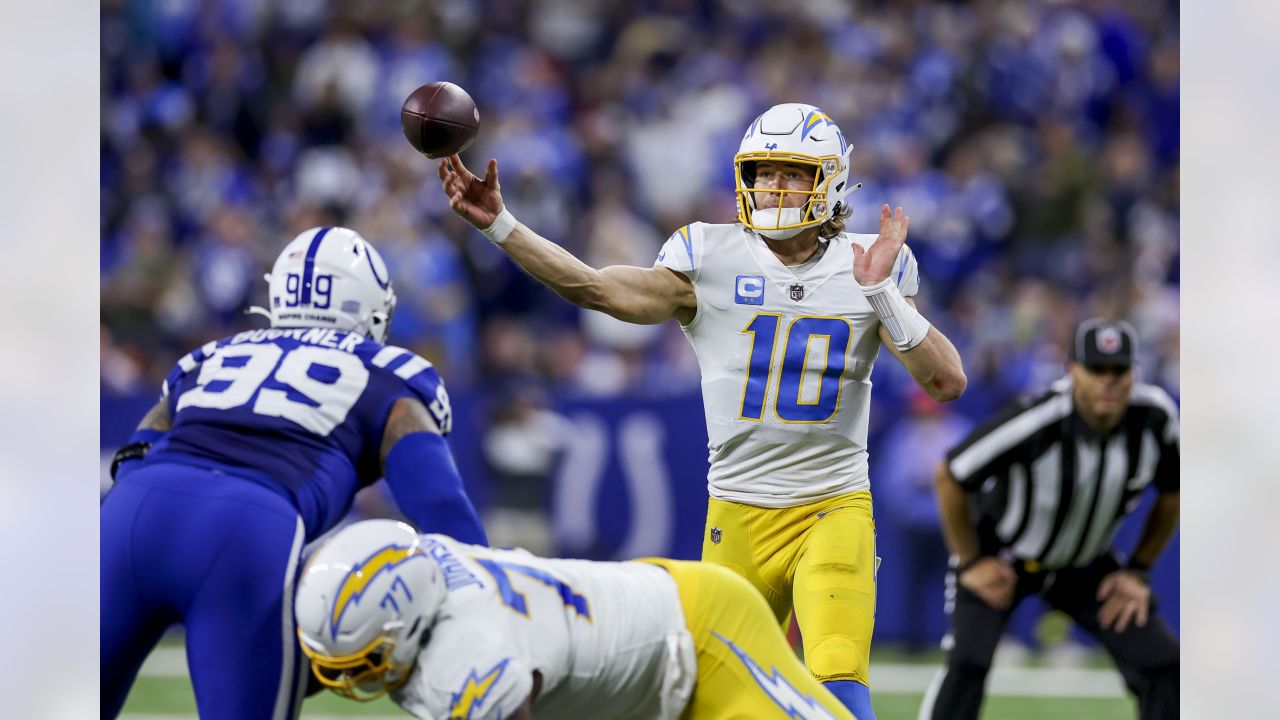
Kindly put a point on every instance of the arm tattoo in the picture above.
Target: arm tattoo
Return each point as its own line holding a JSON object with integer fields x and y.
{"x": 408, "y": 415}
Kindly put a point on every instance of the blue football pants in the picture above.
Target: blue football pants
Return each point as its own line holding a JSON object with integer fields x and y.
{"x": 217, "y": 554}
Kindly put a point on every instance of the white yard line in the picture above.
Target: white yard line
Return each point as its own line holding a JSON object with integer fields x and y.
{"x": 171, "y": 662}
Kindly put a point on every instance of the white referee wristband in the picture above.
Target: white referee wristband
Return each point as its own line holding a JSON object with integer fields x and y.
{"x": 905, "y": 324}
{"x": 501, "y": 227}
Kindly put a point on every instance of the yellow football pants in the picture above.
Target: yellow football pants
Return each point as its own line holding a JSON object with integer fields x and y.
{"x": 746, "y": 669}
{"x": 818, "y": 559}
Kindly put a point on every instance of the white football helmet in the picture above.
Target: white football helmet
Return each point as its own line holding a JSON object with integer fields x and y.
{"x": 364, "y": 606}
{"x": 793, "y": 133}
{"x": 331, "y": 277}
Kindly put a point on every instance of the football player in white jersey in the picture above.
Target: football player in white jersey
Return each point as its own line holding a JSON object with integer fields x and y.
{"x": 786, "y": 313}
{"x": 461, "y": 631}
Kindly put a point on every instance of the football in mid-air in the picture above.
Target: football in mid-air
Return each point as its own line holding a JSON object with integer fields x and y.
{"x": 440, "y": 119}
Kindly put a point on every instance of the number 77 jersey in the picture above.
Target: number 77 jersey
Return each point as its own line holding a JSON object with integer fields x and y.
{"x": 786, "y": 355}
{"x": 301, "y": 410}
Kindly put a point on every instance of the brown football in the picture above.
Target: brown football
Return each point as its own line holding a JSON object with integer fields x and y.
{"x": 440, "y": 119}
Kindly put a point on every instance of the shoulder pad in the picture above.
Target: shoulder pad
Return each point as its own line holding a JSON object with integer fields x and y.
{"x": 421, "y": 378}
{"x": 187, "y": 363}
{"x": 1156, "y": 397}
{"x": 682, "y": 251}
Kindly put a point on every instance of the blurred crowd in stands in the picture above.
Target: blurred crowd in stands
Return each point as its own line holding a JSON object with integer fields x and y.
{"x": 1034, "y": 144}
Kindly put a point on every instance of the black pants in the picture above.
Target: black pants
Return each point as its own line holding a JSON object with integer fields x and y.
{"x": 1147, "y": 657}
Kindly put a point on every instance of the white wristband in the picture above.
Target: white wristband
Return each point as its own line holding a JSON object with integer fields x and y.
{"x": 905, "y": 324}
{"x": 501, "y": 227}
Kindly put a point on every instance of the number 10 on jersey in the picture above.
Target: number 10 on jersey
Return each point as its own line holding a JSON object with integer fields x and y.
{"x": 804, "y": 335}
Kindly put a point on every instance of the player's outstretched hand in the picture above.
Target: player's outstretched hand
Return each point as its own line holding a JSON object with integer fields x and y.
{"x": 991, "y": 579}
{"x": 1125, "y": 598}
{"x": 873, "y": 265}
{"x": 477, "y": 201}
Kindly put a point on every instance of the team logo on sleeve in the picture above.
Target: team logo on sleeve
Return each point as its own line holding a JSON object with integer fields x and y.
{"x": 474, "y": 690}
{"x": 749, "y": 290}
{"x": 686, "y": 239}
{"x": 795, "y": 704}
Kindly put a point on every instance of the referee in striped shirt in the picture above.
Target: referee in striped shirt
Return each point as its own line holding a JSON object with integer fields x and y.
{"x": 1029, "y": 504}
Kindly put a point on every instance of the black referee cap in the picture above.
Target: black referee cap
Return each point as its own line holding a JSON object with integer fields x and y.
{"x": 1103, "y": 342}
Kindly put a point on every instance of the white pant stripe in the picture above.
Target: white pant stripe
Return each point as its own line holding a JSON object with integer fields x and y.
{"x": 289, "y": 694}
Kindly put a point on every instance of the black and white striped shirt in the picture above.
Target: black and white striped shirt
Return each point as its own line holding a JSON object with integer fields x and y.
{"x": 1052, "y": 490}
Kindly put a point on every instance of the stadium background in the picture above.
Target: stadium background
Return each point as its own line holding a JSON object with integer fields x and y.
{"x": 1034, "y": 144}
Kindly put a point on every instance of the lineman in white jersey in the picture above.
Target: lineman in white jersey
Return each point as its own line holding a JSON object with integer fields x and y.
{"x": 462, "y": 631}
{"x": 786, "y": 313}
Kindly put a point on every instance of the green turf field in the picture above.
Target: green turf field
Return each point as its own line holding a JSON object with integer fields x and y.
{"x": 163, "y": 692}
{"x": 170, "y": 699}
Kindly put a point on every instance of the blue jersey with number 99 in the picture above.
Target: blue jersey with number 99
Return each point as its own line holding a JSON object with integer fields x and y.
{"x": 300, "y": 410}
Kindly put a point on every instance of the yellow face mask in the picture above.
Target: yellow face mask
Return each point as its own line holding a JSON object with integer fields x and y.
{"x": 364, "y": 675}
{"x": 811, "y": 211}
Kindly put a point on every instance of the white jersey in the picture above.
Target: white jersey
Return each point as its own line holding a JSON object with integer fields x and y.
{"x": 608, "y": 638}
{"x": 786, "y": 360}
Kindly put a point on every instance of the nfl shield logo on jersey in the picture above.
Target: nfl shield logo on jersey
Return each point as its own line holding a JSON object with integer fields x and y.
{"x": 797, "y": 292}
{"x": 715, "y": 535}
